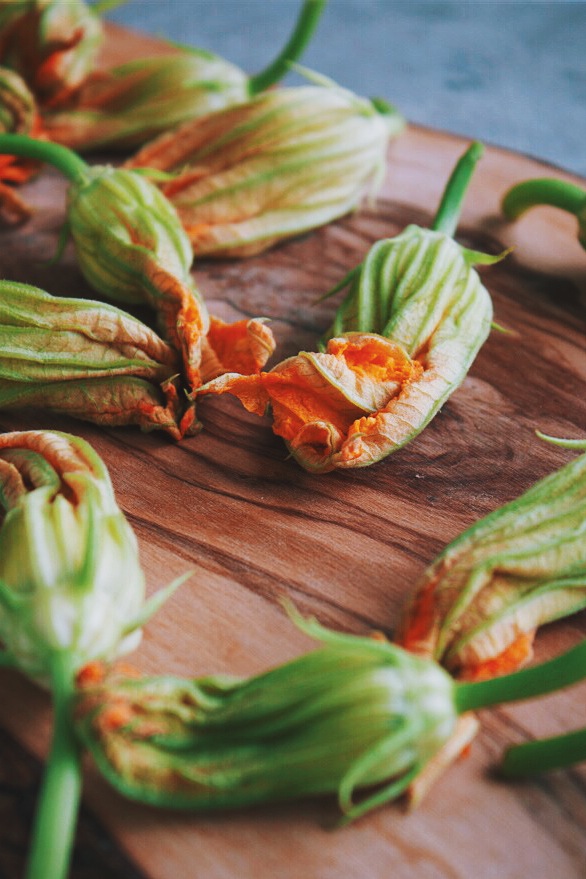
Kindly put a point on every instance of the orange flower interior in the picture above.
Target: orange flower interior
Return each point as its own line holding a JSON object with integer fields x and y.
{"x": 313, "y": 393}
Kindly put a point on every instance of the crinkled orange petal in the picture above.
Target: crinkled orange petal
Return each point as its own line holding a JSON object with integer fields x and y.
{"x": 243, "y": 347}
{"x": 317, "y": 398}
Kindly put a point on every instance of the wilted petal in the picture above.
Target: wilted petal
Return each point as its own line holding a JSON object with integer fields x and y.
{"x": 243, "y": 346}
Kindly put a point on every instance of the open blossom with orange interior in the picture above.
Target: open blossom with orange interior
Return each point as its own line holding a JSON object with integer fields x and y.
{"x": 320, "y": 401}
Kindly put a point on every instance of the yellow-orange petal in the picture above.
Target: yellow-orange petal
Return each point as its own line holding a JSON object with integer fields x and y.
{"x": 243, "y": 347}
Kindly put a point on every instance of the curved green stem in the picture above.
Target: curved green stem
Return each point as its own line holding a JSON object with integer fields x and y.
{"x": 448, "y": 213}
{"x": 306, "y": 23}
{"x": 56, "y": 817}
{"x": 62, "y": 158}
{"x": 544, "y": 755}
{"x": 543, "y": 191}
{"x": 564, "y": 670}
{"x": 579, "y": 444}
{"x": 101, "y": 7}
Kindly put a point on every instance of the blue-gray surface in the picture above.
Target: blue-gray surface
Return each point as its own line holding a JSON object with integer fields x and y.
{"x": 508, "y": 73}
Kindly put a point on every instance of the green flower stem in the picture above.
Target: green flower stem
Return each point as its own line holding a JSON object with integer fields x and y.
{"x": 564, "y": 670}
{"x": 306, "y": 23}
{"x": 56, "y": 817}
{"x": 101, "y": 7}
{"x": 543, "y": 191}
{"x": 579, "y": 444}
{"x": 62, "y": 158}
{"x": 544, "y": 755}
{"x": 448, "y": 213}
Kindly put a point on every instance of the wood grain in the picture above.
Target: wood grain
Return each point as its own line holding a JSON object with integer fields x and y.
{"x": 253, "y": 527}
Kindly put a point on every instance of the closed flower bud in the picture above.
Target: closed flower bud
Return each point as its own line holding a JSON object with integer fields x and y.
{"x": 18, "y": 114}
{"x": 18, "y": 111}
{"x": 86, "y": 359}
{"x": 280, "y": 164}
{"x": 70, "y": 579}
{"x": 131, "y": 248}
{"x": 53, "y": 44}
{"x": 351, "y": 715}
{"x": 478, "y": 606}
{"x": 128, "y": 105}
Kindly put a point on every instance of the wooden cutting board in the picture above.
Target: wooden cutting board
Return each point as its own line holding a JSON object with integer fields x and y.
{"x": 253, "y": 527}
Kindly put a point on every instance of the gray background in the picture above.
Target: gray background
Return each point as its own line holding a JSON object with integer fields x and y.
{"x": 508, "y": 73}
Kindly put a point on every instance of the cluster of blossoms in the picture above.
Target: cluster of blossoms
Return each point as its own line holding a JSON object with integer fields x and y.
{"x": 226, "y": 167}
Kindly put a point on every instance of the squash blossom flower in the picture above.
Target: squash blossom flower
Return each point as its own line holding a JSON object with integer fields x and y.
{"x": 353, "y": 714}
{"x": 69, "y": 569}
{"x": 402, "y": 341}
{"x": 132, "y": 248}
{"x": 280, "y": 164}
{"x": 478, "y": 606}
{"x": 18, "y": 114}
{"x": 545, "y": 191}
{"x": 358, "y": 717}
{"x": 71, "y": 592}
{"x": 18, "y": 109}
{"x": 53, "y": 44}
{"x": 566, "y": 749}
{"x": 126, "y": 106}
{"x": 89, "y": 360}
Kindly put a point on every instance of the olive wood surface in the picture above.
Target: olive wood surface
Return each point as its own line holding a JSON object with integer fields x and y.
{"x": 253, "y": 527}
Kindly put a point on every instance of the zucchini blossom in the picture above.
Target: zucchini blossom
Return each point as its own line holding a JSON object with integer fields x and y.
{"x": 18, "y": 109}
{"x": 353, "y": 714}
{"x": 132, "y": 248}
{"x": 476, "y": 609}
{"x": 89, "y": 360}
{"x": 70, "y": 577}
{"x": 283, "y": 163}
{"x": 358, "y": 717}
{"x": 71, "y": 593}
{"x": 545, "y": 191}
{"x": 126, "y": 106}
{"x": 53, "y": 44}
{"x": 402, "y": 341}
{"x": 18, "y": 114}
